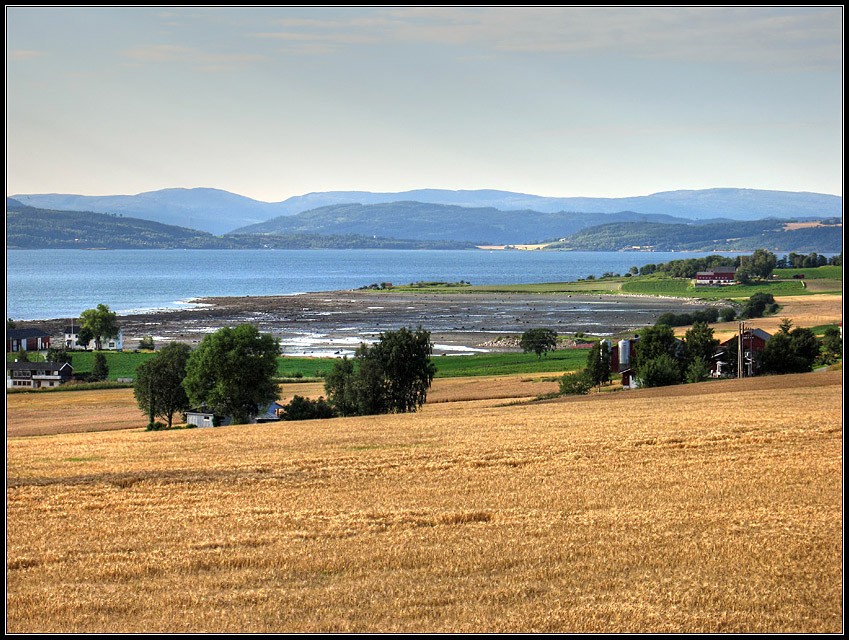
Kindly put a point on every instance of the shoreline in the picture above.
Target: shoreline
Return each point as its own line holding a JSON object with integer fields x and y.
{"x": 336, "y": 322}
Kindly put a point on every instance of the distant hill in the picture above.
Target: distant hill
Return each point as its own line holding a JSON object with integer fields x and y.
{"x": 425, "y": 221}
{"x": 210, "y": 210}
{"x": 216, "y": 211}
{"x": 730, "y": 236}
{"x": 31, "y": 228}
{"x": 736, "y": 204}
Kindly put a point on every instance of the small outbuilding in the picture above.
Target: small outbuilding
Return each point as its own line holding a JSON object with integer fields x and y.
{"x": 206, "y": 417}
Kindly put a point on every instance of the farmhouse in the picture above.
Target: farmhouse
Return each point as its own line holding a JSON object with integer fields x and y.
{"x": 205, "y": 417}
{"x": 72, "y": 337}
{"x": 26, "y": 340}
{"x": 716, "y": 276}
{"x": 37, "y": 375}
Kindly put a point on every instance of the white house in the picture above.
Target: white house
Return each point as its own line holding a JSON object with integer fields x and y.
{"x": 72, "y": 337}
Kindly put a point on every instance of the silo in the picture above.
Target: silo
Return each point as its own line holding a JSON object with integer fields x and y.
{"x": 624, "y": 354}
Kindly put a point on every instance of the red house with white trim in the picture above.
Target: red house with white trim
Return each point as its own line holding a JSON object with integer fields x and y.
{"x": 716, "y": 276}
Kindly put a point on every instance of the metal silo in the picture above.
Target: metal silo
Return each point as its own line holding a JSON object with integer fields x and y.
{"x": 624, "y": 354}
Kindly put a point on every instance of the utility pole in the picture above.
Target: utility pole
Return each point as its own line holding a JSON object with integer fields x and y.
{"x": 740, "y": 328}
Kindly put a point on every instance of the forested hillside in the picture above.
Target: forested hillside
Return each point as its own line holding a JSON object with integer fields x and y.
{"x": 31, "y": 228}
{"x": 732, "y": 236}
{"x": 425, "y": 221}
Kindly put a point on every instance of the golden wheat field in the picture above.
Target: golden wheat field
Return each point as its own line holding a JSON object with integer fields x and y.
{"x": 714, "y": 507}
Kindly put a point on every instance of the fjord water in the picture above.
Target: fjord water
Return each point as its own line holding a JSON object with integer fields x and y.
{"x": 47, "y": 284}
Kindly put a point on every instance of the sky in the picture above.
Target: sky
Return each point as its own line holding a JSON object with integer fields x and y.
{"x": 274, "y": 102}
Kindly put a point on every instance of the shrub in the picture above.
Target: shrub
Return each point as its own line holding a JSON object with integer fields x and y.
{"x": 575, "y": 383}
{"x": 758, "y": 305}
{"x": 300, "y": 408}
{"x": 660, "y": 371}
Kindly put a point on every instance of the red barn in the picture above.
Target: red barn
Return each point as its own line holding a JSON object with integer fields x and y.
{"x": 754, "y": 341}
{"x": 716, "y": 276}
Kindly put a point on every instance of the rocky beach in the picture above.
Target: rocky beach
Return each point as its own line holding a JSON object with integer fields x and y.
{"x": 336, "y": 322}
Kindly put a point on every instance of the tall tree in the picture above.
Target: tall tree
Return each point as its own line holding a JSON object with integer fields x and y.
{"x": 761, "y": 263}
{"x": 598, "y": 363}
{"x": 404, "y": 358}
{"x": 390, "y": 376}
{"x": 158, "y": 387}
{"x": 657, "y": 356}
{"x": 100, "y": 368}
{"x": 232, "y": 372}
{"x": 101, "y": 322}
{"x": 699, "y": 344}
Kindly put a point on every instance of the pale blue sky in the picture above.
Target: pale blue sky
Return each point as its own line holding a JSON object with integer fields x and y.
{"x": 271, "y": 102}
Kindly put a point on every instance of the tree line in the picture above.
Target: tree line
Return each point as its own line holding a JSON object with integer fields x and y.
{"x": 232, "y": 373}
{"x": 760, "y": 264}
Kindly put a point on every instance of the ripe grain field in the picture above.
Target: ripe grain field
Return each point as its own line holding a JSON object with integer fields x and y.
{"x": 714, "y": 507}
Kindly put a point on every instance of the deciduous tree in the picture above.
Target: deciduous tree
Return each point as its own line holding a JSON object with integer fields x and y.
{"x": 101, "y": 322}
{"x": 390, "y": 376}
{"x": 158, "y": 387}
{"x": 538, "y": 341}
{"x": 232, "y": 372}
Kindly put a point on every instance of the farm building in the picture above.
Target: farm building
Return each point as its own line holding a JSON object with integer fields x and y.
{"x": 753, "y": 341}
{"x": 716, "y": 276}
{"x": 26, "y": 340}
{"x": 72, "y": 337}
{"x": 37, "y": 375}
{"x": 205, "y": 417}
{"x": 621, "y": 360}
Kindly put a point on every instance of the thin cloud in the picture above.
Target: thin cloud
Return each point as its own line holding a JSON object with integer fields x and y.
{"x": 205, "y": 60}
{"x": 795, "y": 37}
{"x": 25, "y": 54}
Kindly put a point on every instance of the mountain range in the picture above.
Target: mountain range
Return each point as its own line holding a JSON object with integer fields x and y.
{"x": 416, "y": 225}
{"x": 219, "y": 212}
{"x": 427, "y": 221}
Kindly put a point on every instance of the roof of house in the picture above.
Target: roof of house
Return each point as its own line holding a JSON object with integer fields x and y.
{"x": 37, "y": 366}
{"x": 718, "y": 271}
{"x": 759, "y": 333}
{"x": 20, "y": 334}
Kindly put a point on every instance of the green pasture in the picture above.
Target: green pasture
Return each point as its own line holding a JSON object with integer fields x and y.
{"x": 828, "y": 272}
{"x": 496, "y": 364}
{"x": 683, "y": 287}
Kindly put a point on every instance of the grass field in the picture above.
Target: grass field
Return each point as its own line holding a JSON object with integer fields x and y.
{"x": 682, "y": 287}
{"x": 828, "y": 272}
{"x": 714, "y": 507}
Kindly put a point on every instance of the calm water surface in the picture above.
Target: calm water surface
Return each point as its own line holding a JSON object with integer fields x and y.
{"x": 46, "y": 284}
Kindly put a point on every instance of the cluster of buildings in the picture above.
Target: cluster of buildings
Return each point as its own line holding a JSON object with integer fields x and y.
{"x": 750, "y": 343}
{"x": 40, "y": 375}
